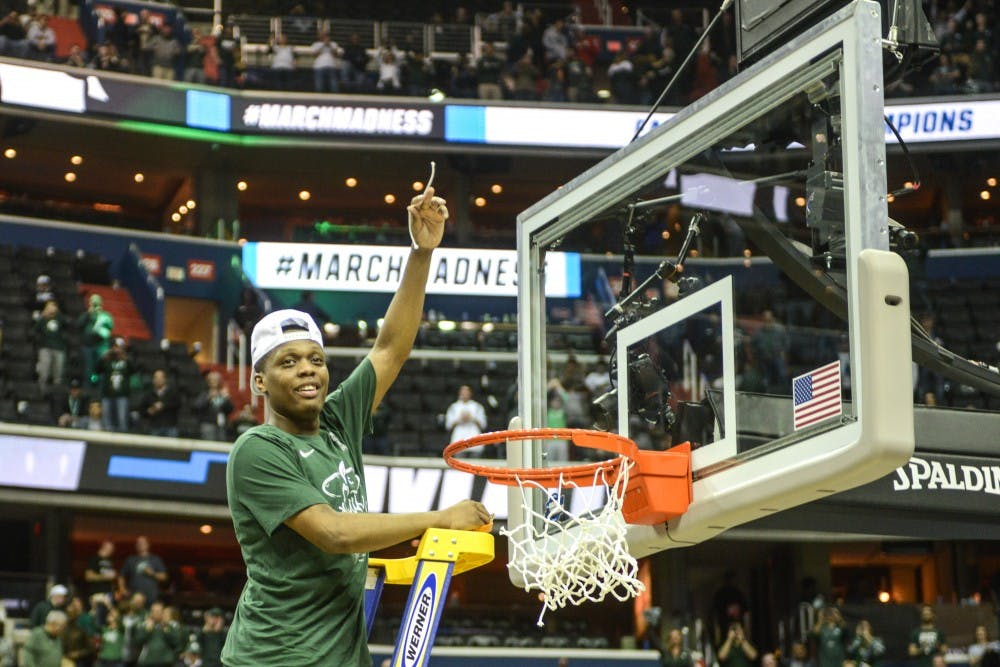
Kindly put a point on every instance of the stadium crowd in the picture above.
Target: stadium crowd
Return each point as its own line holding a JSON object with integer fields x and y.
{"x": 526, "y": 54}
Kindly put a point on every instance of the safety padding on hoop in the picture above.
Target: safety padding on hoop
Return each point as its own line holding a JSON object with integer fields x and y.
{"x": 659, "y": 486}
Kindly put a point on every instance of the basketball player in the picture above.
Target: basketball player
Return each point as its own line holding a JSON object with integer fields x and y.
{"x": 296, "y": 486}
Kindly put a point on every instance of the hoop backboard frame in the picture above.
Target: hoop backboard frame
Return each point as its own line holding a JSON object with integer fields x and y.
{"x": 880, "y": 436}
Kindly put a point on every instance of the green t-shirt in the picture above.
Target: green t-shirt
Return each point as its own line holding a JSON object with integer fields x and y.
{"x": 830, "y": 648}
{"x": 112, "y": 644}
{"x": 300, "y": 606}
{"x": 736, "y": 658}
{"x": 929, "y": 641}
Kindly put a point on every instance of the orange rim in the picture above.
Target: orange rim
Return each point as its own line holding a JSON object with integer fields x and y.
{"x": 582, "y": 475}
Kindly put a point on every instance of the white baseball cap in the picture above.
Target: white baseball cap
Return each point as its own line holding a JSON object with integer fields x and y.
{"x": 280, "y": 327}
{"x": 58, "y": 589}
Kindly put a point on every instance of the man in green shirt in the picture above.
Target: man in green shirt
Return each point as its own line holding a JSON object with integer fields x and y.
{"x": 830, "y": 636}
{"x": 927, "y": 640}
{"x": 296, "y": 488}
{"x": 44, "y": 646}
{"x": 736, "y": 650}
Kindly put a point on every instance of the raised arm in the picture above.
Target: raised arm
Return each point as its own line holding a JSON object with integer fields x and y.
{"x": 344, "y": 532}
{"x": 399, "y": 329}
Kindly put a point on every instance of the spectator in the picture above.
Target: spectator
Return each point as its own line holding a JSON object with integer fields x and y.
{"x": 143, "y": 572}
{"x": 56, "y": 601}
{"x": 194, "y": 62}
{"x": 95, "y": 325}
{"x": 674, "y": 654}
{"x": 830, "y": 635}
{"x": 140, "y": 44}
{"x": 417, "y": 72}
{"x": 980, "y": 646}
{"x": 78, "y": 635}
{"x": 42, "y": 295}
{"x": 327, "y": 64}
{"x": 227, "y": 49}
{"x": 525, "y": 76}
{"x": 489, "y": 69}
{"x": 621, "y": 77}
{"x": 981, "y": 69}
{"x": 101, "y": 573}
{"x": 95, "y": 416}
{"x": 76, "y": 57}
{"x": 946, "y": 76}
{"x": 865, "y": 649}
{"x": 736, "y": 650}
{"x": 160, "y": 406}
{"x": 13, "y": 36}
{"x": 579, "y": 77}
{"x": 134, "y": 616}
{"x": 159, "y": 642}
{"x": 50, "y": 336}
{"x": 555, "y": 42}
{"x": 72, "y": 407}
{"x": 355, "y": 61}
{"x": 249, "y": 311}
{"x": 112, "y": 647}
{"x": 388, "y": 72}
{"x": 114, "y": 371}
{"x": 308, "y": 305}
{"x": 41, "y": 39}
{"x": 164, "y": 50}
{"x": 799, "y": 656}
{"x": 107, "y": 59}
{"x": 244, "y": 421}
{"x": 212, "y": 407}
{"x": 8, "y": 652}
{"x": 465, "y": 417}
{"x": 927, "y": 641}
{"x": 212, "y": 637}
{"x": 282, "y": 62}
{"x": 463, "y": 78}
{"x": 44, "y": 646}
{"x": 770, "y": 348}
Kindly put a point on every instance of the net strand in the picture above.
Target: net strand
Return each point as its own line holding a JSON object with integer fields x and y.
{"x": 575, "y": 558}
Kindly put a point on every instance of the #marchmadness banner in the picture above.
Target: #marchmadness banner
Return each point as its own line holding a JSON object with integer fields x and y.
{"x": 364, "y": 268}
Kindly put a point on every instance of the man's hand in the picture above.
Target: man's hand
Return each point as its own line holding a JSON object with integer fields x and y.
{"x": 427, "y": 217}
{"x": 466, "y": 515}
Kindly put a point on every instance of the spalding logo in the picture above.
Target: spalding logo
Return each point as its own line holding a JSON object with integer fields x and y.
{"x": 418, "y": 626}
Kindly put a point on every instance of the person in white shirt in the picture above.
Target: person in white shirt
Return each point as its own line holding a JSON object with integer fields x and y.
{"x": 466, "y": 418}
{"x": 282, "y": 62}
{"x": 327, "y": 65}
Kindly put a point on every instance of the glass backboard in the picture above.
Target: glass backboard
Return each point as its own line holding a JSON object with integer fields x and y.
{"x": 737, "y": 273}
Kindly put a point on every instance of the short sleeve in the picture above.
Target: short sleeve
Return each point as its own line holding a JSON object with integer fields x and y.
{"x": 349, "y": 406}
{"x": 268, "y": 484}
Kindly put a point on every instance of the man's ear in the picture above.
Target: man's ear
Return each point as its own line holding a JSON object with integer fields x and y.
{"x": 258, "y": 382}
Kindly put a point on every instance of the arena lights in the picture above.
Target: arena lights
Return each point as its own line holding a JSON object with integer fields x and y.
{"x": 991, "y": 181}
{"x": 191, "y": 204}
{"x": 890, "y": 198}
{"x": 480, "y": 201}
{"x": 984, "y": 195}
{"x": 76, "y": 159}
{"x": 176, "y": 217}
{"x": 139, "y": 177}
{"x": 418, "y": 186}
{"x": 183, "y": 209}
{"x": 800, "y": 201}
{"x": 390, "y": 198}
{"x": 446, "y": 325}
{"x": 69, "y": 176}
{"x": 205, "y": 529}
{"x": 10, "y": 153}
{"x": 884, "y": 597}
{"x": 305, "y": 195}
{"x": 496, "y": 188}
{"x": 665, "y": 235}
{"x": 241, "y": 186}
{"x": 351, "y": 182}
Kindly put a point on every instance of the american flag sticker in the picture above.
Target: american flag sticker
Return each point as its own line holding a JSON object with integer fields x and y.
{"x": 816, "y": 396}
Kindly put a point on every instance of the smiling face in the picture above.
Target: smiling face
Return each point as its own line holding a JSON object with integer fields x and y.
{"x": 294, "y": 378}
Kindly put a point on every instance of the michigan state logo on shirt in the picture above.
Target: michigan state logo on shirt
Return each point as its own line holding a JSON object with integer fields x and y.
{"x": 344, "y": 488}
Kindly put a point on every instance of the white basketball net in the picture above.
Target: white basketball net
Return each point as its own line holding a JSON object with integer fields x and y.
{"x": 573, "y": 558}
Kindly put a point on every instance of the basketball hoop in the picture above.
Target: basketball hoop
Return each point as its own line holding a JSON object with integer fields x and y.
{"x": 576, "y": 557}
